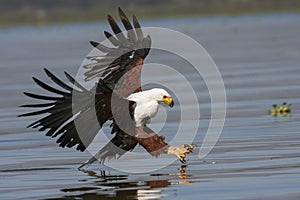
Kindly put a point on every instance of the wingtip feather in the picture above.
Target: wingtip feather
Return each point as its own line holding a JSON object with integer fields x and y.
{"x": 94, "y": 44}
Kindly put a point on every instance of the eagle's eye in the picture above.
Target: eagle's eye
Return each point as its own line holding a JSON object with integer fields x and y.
{"x": 164, "y": 96}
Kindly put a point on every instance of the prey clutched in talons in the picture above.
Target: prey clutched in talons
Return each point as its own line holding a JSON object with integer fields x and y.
{"x": 181, "y": 152}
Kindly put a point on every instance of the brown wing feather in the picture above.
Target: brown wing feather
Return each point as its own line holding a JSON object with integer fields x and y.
{"x": 125, "y": 51}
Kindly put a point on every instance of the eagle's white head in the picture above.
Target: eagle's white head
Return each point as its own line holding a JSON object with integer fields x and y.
{"x": 147, "y": 104}
{"x": 157, "y": 94}
{"x": 161, "y": 96}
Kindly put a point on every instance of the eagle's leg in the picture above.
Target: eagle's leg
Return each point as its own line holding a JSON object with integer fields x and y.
{"x": 156, "y": 144}
{"x": 153, "y": 143}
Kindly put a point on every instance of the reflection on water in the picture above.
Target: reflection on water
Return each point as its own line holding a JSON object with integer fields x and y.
{"x": 105, "y": 186}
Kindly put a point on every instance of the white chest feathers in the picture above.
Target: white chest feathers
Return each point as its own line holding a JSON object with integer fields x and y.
{"x": 144, "y": 111}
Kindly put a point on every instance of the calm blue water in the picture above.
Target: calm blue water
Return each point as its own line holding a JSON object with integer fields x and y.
{"x": 257, "y": 156}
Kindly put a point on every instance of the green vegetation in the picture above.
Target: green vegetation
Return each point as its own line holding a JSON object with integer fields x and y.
{"x": 282, "y": 109}
{"x": 14, "y": 12}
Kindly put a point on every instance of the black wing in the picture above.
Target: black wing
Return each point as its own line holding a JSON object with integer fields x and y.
{"x": 76, "y": 114}
{"x": 64, "y": 111}
{"x": 125, "y": 52}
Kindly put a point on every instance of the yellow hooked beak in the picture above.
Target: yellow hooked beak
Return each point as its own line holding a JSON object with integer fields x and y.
{"x": 168, "y": 100}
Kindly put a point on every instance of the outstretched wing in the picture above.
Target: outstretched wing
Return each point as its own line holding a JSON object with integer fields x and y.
{"x": 63, "y": 111}
{"x": 127, "y": 54}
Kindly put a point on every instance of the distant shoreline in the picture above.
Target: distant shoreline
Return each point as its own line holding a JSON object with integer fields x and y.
{"x": 31, "y": 14}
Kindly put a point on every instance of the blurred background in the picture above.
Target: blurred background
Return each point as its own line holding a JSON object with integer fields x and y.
{"x": 60, "y": 11}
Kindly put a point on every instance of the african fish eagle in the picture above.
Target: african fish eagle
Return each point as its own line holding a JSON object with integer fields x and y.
{"x": 117, "y": 98}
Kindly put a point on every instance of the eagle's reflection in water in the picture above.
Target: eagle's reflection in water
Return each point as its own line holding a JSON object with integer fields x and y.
{"x": 107, "y": 186}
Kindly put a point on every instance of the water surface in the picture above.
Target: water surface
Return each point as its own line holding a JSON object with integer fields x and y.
{"x": 257, "y": 156}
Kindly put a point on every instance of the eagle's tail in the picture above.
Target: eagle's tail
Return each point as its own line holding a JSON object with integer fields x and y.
{"x": 115, "y": 148}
